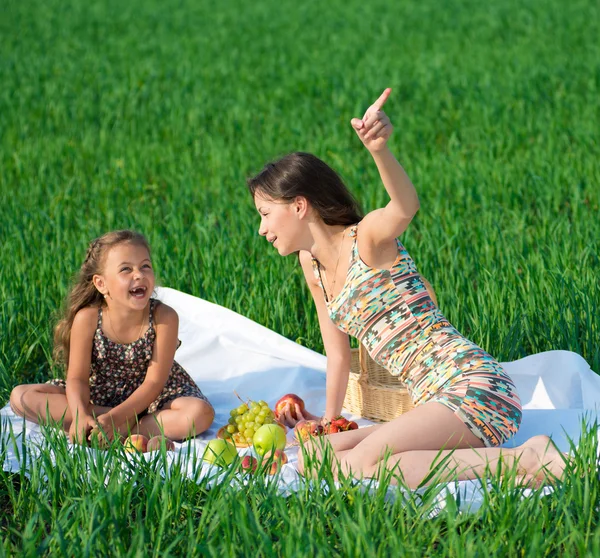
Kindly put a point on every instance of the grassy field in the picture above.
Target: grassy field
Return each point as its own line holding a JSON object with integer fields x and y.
{"x": 150, "y": 115}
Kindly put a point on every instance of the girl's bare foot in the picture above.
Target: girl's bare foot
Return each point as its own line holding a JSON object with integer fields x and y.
{"x": 541, "y": 462}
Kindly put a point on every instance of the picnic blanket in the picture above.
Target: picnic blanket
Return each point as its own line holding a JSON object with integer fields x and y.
{"x": 226, "y": 353}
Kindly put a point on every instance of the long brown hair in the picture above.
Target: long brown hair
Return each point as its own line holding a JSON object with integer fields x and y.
{"x": 303, "y": 174}
{"x": 84, "y": 293}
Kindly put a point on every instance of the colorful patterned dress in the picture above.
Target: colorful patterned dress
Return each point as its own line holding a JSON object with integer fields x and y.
{"x": 118, "y": 370}
{"x": 391, "y": 313}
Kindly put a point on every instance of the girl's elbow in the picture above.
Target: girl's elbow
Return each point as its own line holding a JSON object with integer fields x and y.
{"x": 413, "y": 208}
{"x": 417, "y": 206}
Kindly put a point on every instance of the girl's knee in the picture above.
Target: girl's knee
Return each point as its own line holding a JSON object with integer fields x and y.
{"x": 16, "y": 398}
{"x": 356, "y": 464}
{"x": 202, "y": 415}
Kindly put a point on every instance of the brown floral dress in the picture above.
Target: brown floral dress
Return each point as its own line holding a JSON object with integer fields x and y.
{"x": 118, "y": 370}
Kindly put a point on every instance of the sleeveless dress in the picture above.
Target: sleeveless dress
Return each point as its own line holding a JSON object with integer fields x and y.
{"x": 118, "y": 370}
{"x": 391, "y": 313}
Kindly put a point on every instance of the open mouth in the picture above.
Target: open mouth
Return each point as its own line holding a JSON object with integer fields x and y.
{"x": 272, "y": 239}
{"x": 138, "y": 292}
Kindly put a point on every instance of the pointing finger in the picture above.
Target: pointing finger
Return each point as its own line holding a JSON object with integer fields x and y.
{"x": 382, "y": 98}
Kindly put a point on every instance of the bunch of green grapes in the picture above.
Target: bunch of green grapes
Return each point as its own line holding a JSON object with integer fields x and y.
{"x": 246, "y": 419}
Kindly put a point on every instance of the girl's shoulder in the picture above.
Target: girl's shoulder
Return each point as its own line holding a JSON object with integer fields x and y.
{"x": 164, "y": 314}
{"x": 86, "y": 319}
{"x": 308, "y": 264}
{"x": 89, "y": 314}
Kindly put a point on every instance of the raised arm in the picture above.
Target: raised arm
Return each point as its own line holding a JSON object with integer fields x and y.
{"x": 389, "y": 222}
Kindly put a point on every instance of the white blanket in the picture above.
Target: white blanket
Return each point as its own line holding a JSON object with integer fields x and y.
{"x": 225, "y": 352}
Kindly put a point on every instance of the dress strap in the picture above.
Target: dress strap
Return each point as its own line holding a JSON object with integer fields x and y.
{"x": 317, "y": 273}
{"x": 151, "y": 313}
{"x": 353, "y": 234}
{"x": 99, "y": 324}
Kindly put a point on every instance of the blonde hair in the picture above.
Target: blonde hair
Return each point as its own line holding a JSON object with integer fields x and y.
{"x": 84, "y": 292}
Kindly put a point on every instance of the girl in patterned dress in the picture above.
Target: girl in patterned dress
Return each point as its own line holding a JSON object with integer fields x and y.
{"x": 118, "y": 345}
{"x": 365, "y": 284}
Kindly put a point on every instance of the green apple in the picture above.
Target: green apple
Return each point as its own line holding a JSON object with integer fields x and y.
{"x": 269, "y": 437}
{"x": 219, "y": 452}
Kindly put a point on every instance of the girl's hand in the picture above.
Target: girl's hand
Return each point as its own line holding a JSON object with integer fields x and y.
{"x": 286, "y": 416}
{"x": 80, "y": 428}
{"x": 104, "y": 429}
{"x": 375, "y": 128}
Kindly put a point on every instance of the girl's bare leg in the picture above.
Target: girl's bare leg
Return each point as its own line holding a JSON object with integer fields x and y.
{"x": 431, "y": 426}
{"x": 41, "y": 402}
{"x": 179, "y": 419}
{"x": 412, "y": 443}
{"x": 535, "y": 462}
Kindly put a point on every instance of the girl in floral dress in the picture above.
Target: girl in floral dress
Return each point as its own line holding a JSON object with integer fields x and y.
{"x": 118, "y": 345}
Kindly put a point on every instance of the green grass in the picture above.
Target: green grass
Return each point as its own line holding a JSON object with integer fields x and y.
{"x": 112, "y": 505}
{"x": 151, "y": 115}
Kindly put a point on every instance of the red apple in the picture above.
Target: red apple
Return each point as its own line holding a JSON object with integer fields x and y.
{"x": 275, "y": 466}
{"x": 136, "y": 442}
{"x": 305, "y": 429}
{"x": 292, "y": 400}
{"x": 277, "y": 455}
{"x": 155, "y": 443}
{"x": 274, "y": 460}
{"x": 249, "y": 464}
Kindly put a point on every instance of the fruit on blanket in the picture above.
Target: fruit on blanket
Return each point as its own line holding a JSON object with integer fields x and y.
{"x": 249, "y": 464}
{"x": 269, "y": 437}
{"x": 306, "y": 429}
{"x": 219, "y": 452}
{"x": 340, "y": 424}
{"x": 246, "y": 419}
{"x": 155, "y": 443}
{"x": 275, "y": 466}
{"x": 276, "y": 455}
{"x": 272, "y": 461}
{"x": 136, "y": 443}
{"x": 292, "y": 400}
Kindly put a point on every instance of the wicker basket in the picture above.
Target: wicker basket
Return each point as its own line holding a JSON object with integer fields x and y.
{"x": 373, "y": 393}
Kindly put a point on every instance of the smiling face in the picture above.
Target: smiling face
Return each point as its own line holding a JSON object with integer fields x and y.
{"x": 127, "y": 276}
{"x": 281, "y": 222}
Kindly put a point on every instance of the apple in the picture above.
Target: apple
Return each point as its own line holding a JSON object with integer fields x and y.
{"x": 136, "y": 443}
{"x": 275, "y": 455}
{"x": 269, "y": 437}
{"x": 219, "y": 452}
{"x": 249, "y": 464}
{"x": 292, "y": 400}
{"x": 155, "y": 443}
{"x": 275, "y": 466}
{"x": 305, "y": 429}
